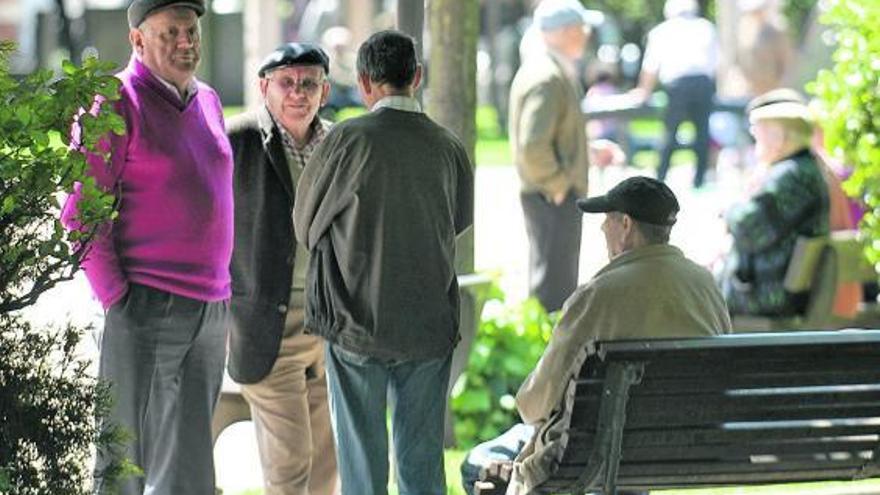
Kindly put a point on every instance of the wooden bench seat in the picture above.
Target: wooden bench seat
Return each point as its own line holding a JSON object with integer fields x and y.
{"x": 731, "y": 410}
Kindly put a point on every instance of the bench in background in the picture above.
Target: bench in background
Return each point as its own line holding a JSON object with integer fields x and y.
{"x": 818, "y": 266}
{"x": 729, "y": 410}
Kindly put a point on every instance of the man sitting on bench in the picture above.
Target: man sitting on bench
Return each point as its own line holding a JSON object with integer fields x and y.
{"x": 647, "y": 290}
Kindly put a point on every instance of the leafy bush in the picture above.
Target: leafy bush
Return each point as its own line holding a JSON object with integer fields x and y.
{"x": 47, "y": 413}
{"x": 37, "y": 163}
{"x": 507, "y": 346}
{"x": 851, "y": 97}
{"x": 49, "y": 403}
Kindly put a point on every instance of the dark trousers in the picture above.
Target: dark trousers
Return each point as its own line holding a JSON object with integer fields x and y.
{"x": 690, "y": 98}
{"x": 554, "y": 233}
{"x": 163, "y": 356}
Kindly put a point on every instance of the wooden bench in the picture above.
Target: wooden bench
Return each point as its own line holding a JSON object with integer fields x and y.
{"x": 731, "y": 410}
{"x": 233, "y": 408}
{"x": 818, "y": 266}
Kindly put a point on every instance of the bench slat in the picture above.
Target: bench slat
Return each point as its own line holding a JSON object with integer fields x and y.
{"x": 737, "y": 409}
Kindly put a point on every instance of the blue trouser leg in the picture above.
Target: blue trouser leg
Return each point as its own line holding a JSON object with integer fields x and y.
{"x": 357, "y": 407}
{"x": 359, "y": 386}
{"x": 503, "y": 448}
{"x": 418, "y": 401}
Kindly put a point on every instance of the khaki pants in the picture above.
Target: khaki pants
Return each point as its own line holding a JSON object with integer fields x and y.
{"x": 292, "y": 418}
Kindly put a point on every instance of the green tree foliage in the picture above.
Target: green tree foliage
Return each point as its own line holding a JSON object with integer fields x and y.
{"x": 850, "y": 91}
{"x": 37, "y": 163}
{"x": 507, "y": 347}
{"x": 49, "y": 402}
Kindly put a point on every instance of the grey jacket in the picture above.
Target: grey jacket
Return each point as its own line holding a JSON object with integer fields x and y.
{"x": 262, "y": 256}
{"x": 379, "y": 206}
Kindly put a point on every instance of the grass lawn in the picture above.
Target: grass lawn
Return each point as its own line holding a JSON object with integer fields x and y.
{"x": 453, "y": 460}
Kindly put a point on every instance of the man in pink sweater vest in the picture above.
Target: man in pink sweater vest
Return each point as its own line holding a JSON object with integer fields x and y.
{"x": 161, "y": 268}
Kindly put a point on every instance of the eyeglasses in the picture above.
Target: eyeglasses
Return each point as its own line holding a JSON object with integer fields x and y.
{"x": 307, "y": 86}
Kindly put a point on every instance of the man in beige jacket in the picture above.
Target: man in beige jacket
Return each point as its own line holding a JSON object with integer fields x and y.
{"x": 647, "y": 290}
{"x": 549, "y": 145}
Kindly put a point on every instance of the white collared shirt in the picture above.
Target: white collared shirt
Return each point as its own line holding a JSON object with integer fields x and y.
{"x": 398, "y": 102}
{"x": 682, "y": 46}
{"x": 187, "y": 95}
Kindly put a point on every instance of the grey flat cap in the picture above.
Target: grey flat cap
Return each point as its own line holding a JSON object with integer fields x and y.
{"x": 141, "y": 9}
{"x": 555, "y": 14}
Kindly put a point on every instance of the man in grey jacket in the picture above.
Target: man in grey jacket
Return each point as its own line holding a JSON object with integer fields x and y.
{"x": 647, "y": 290}
{"x": 379, "y": 206}
{"x": 280, "y": 366}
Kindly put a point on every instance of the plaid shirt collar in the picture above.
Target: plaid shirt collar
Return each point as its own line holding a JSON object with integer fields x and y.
{"x": 300, "y": 155}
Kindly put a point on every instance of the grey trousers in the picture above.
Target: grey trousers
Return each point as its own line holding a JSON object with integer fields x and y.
{"x": 554, "y": 233}
{"x": 163, "y": 355}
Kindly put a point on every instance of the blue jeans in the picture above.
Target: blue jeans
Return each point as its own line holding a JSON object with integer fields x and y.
{"x": 360, "y": 387}
{"x": 504, "y": 448}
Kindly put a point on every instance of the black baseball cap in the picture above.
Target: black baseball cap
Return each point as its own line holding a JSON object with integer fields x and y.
{"x": 643, "y": 198}
{"x": 295, "y": 54}
{"x": 139, "y": 10}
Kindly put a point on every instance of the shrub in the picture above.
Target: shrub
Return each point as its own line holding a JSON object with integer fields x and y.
{"x": 49, "y": 403}
{"x": 48, "y": 413}
{"x": 508, "y": 344}
{"x": 37, "y": 163}
{"x": 851, "y": 96}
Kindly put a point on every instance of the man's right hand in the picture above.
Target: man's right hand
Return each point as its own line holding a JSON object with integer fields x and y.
{"x": 559, "y": 197}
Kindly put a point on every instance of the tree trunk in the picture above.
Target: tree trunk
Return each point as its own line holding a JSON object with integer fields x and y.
{"x": 262, "y": 34}
{"x": 453, "y": 27}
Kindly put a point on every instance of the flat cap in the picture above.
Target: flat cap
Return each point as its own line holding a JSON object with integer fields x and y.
{"x": 556, "y": 14}
{"x": 141, "y": 9}
{"x": 295, "y": 54}
{"x": 643, "y": 198}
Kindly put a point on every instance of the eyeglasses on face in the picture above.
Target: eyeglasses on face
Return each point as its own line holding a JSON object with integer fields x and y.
{"x": 307, "y": 86}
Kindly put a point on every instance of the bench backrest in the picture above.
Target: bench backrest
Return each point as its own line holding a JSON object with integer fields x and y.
{"x": 737, "y": 409}
{"x": 819, "y": 265}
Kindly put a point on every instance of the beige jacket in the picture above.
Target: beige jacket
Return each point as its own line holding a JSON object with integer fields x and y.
{"x": 649, "y": 292}
{"x": 547, "y": 129}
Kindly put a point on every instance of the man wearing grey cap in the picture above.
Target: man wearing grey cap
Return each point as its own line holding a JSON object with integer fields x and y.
{"x": 161, "y": 268}
{"x": 647, "y": 290}
{"x": 549, "y": 145}
{"x": 280, "y": 366}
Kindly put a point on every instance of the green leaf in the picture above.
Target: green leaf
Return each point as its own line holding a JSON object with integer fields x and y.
{"x": 68, "y": 67}
{"x": 8, "y": 205}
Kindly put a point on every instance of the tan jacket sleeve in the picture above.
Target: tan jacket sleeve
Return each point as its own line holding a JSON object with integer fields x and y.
{"x": 543, "y": 388}
{"x": 539, "y": 163}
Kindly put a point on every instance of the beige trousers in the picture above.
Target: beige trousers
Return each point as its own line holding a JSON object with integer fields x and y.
{"x": 292, "y": 417}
